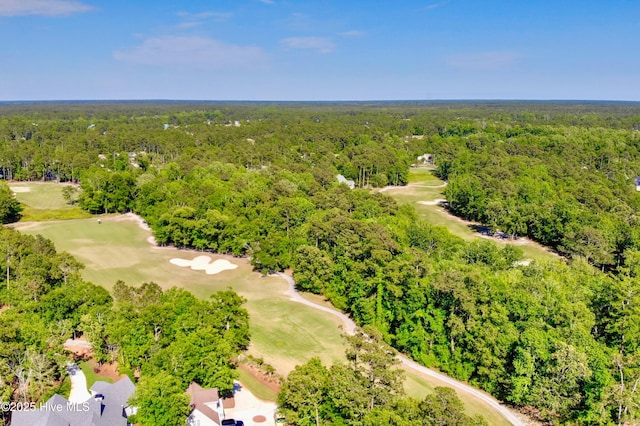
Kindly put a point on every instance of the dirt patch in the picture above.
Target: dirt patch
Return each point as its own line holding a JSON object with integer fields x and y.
{"x": 259, "y": 419}
{"x": 269, "y": 382}
{"x": 80, "y": 348}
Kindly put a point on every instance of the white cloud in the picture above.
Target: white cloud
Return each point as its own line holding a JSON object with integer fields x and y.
{"x": 188, "y": 24}
{"x": 434, "y": 5}
{"x": 209, "y": 15}
{"x": 352, "y": 33}
{"x": 483, "y": 61}
{"x": 42, "y": 7}
{"x": 321, "y": 44}
{"x": 193, "y": 52}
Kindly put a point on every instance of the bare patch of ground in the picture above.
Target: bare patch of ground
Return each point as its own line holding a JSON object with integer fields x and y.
{"x": 435, "y": 202}
{"x": 80, "y": 347}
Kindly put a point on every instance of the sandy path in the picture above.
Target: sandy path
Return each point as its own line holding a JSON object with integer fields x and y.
{"x": 350, "y": 327}
{"x": 347, "y": 323}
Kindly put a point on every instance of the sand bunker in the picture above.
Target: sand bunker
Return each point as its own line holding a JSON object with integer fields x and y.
{"x": 17, "y": 189}
{"x": 434, "y": 202}
{"x": 203, "y": 263}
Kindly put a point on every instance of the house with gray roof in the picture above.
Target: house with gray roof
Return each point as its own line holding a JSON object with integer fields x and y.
{"x": 107, "y": 406}
{"x": 351, "y": 184}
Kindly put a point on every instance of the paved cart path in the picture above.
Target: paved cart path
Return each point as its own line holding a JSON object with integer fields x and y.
{"x": 350, "y": 327}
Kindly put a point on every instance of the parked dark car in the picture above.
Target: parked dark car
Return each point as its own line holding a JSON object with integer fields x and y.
{"x": 232, "y": 422}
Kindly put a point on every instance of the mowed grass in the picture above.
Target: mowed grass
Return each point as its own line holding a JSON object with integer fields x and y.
{"x": 427, "y": 187}
{"x": 92, "y": 377}
{"x": 40, "y": 195}
{"x": 43, "y": 201}
{"x": 260, "y": 391}
{"x": 419, "y": 386}
{"x": 421, "y": 174}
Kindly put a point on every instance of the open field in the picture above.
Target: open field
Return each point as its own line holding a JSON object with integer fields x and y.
{"x": 284, "y": 333}
{"x": 422, "y": 174}
{"x": 425, "y": 187}
{"x": 40, "y": 195}
{"x": 44, "y": 201}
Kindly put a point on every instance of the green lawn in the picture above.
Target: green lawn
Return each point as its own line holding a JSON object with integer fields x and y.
{"x": 92, "y": 377}
{"x": 420, "y": 386}
{"x": 421, "y": 174}
{"x": 43, "y": 201}
{"x": 256, "y": 387}
{"x": 426, "y": 187}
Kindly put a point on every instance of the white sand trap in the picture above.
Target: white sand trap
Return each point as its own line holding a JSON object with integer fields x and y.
{"x": 180, "y": 262}
{"x": 200, "y": 263}
{"x": 433, "y": 203}
{"x": 203, "y": 263}
{"x": 17, "y": 189}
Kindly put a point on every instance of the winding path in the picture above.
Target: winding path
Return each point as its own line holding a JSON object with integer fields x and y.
{"x": 350, "y": 328}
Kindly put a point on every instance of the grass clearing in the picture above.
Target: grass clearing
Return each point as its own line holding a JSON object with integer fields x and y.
{"x": 421, "y": 174}
{"x": 420, "y": 386}
{"x": 92, "y": 377}
{"x": 426, "y": 187}
{"x": 40, "y": 195}
{"x": 258, "y": 389}
{"x": 43, "y": 201}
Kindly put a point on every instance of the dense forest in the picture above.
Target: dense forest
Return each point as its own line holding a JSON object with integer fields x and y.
{"x": 259, "y": 180}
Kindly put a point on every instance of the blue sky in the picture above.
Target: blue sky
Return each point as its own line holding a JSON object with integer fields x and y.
{"x": 319, "y": 50}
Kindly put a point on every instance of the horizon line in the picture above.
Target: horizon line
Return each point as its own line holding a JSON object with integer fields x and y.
{"x": 456, "y": 100}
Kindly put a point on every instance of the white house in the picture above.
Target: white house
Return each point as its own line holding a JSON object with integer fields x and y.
{"x": 206, "y": 405}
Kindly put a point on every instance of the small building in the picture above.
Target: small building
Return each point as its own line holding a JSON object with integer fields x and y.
{"x": 206, "y": 406}
{"x": 341, "y": 179}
